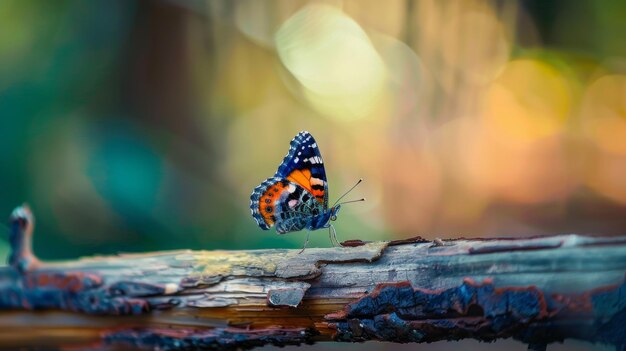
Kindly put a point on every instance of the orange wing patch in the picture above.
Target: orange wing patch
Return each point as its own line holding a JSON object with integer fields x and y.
{"x": 302, "y": 178}
{"x": 266, "y": 202}
{"x": 311, "y": 184}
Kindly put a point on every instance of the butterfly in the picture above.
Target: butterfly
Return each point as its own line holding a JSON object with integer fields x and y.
{"x": 296, "y": 197}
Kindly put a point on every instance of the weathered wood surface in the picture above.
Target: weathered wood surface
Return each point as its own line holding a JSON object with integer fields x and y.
{"x": 537, "y": 290}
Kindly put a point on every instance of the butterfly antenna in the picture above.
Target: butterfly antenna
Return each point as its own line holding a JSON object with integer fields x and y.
{"x": 347, "y": 192}
{"x": 351, "y": 201}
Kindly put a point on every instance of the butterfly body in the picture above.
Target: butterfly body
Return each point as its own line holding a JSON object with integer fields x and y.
{"x": 296, "y": 197}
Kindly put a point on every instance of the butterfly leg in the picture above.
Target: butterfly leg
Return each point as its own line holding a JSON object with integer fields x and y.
{"x": 308, "y": 232}
{"x": 332, "y": 234}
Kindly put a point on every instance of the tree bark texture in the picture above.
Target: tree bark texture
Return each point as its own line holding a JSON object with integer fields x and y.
{"x": 537, "y": 290}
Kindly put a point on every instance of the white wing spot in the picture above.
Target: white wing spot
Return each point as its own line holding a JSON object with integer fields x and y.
{"x": 291, "y": 188}
{"x": 296, "y": 160}
{"x": 316, "y": 181}
{"x": 292, "y": 203}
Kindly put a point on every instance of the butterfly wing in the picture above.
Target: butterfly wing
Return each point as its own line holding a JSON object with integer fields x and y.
{"x": 285, "y": 204}
{"x": 304, "y": 166}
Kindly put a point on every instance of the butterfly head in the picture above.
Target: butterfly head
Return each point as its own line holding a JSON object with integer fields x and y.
{"x": 333, "y": 212}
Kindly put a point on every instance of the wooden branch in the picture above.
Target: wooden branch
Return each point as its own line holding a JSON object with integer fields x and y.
{"x": 537, "y": 290}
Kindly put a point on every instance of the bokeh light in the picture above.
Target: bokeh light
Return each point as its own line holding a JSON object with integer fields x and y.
{"x": 603, "y": 121}
{"x": 603, "y": 113}
{"x": 528, "y": 101}
{"x": 334, "y": 60}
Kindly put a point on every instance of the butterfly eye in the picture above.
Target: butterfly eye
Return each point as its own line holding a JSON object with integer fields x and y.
{"x": 333, "y": 218}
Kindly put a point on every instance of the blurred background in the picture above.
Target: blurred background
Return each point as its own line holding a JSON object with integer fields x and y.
{"x": 145, "y": 125}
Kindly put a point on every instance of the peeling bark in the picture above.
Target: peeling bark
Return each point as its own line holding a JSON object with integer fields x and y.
{"x": 538, "y": 290}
